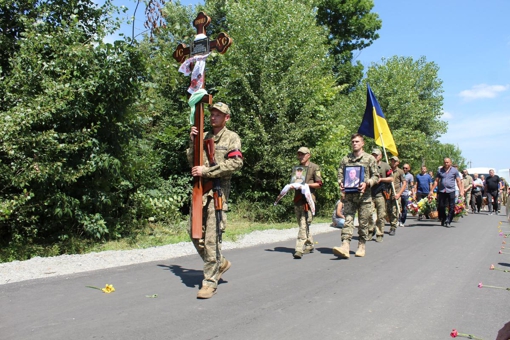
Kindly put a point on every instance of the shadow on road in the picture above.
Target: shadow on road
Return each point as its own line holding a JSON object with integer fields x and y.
{"x": 325, "y": 250}
{"x": 281, "y": 250}
{"x": 190, "y": 277}
{"x": 426, "y": 223}
{"x": 504, "y": 264}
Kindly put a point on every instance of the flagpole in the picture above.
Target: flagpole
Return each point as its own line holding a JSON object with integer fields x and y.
{"x": 386, "y": 158}
{"x": 392, "y": 183}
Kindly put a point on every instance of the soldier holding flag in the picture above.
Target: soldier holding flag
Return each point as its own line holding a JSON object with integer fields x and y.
{"x": 374, "y": 125}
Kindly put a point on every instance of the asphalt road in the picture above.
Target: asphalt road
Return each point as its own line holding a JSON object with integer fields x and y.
{"x": 419, "y": 284}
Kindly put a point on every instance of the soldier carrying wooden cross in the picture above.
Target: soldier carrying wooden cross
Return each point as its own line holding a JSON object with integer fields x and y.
{"x": 211, "y": 170}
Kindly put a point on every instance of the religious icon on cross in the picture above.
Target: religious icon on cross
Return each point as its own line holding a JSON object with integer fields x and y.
{"x": 193, "y": 61}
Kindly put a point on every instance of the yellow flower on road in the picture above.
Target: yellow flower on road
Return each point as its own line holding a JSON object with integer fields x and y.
{"x": 108, "y": 289}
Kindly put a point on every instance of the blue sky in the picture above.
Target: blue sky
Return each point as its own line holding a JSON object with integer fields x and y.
{"x": 470, "y": 42}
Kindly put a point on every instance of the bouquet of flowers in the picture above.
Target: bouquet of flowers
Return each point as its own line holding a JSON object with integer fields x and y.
{"x": 432, "y": 202}
{"x": 460, "y": 208}
{"x": 423, "y": 207}
{"x": 412, "y": 206}
{"x": 427, "y": 205}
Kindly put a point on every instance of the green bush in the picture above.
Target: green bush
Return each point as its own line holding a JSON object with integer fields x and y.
{"x": 65, "y": 126}
{"x": 163, "y": 203}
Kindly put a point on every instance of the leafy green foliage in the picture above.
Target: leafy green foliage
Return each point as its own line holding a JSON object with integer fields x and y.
{"x": 65, "y": 123}
{"x": 93, "y": 135}
{"x": 433, "y": 159}
{"x": 162, "y": 203}
{"x": 351, "y": 26}
{"x": 277, "y": 78}
{"x": 410, "y": 95}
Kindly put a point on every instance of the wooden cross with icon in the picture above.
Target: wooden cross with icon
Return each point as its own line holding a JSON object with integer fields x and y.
{"x": 200, "y": 45}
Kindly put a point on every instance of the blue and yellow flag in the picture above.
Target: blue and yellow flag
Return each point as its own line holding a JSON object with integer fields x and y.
{"x": 374, "y": 124}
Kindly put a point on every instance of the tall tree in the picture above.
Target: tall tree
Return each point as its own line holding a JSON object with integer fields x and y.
{"x": 352, "y": 27}
{"x": 65, "y": 124}
{"x": 277, "y": 78}
{"x": 410, "y": 94}
{"x": 437, "y": 152}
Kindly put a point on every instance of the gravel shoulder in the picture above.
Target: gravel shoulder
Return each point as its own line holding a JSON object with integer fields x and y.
{"x": 42, "y": 267}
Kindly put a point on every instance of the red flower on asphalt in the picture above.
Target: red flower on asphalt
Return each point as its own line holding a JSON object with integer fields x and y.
{"x": 480, "y": 285}
{"x": 500, "y": 252}
{"x": 492, "y": 267}
{"x": 455, "y": 334}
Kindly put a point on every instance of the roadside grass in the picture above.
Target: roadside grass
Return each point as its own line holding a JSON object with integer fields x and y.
{"x": 158, "y": 235}
{"x": 151, "y": 235}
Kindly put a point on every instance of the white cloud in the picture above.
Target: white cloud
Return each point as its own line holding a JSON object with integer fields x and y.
{"x": 477, "y": 128}
{"x": 446, "y": 115}
{"x": 483, "y": 91}
{"x": 482, "y": 138}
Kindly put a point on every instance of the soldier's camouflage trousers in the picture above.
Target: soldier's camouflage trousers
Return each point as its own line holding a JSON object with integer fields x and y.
{"x": 354, "y": 203}
{"x": 206, "y": 246}
{"x": 467, "y": 198}
{"x": 304, "y": 237}
{"x": 392, "y": 212}
{"x": 379, "y": 204}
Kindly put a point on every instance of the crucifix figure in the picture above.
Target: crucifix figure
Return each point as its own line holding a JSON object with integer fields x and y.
{"x": 200, "y": 47}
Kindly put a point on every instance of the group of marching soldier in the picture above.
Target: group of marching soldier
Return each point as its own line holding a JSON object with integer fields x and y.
{"x": 367, "y": 184}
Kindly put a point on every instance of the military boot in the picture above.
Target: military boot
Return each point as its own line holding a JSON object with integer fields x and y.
{"x": 224, "y": 267}
{"x": 361, "y": 250}
{"x": 206, "y": 292}
{"x": 343, "y": 251}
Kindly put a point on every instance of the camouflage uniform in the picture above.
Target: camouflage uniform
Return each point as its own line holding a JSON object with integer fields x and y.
{"x": 398, "y": 180}
{"x": 304, "y": 242}
{"x": 505, "y": 192}
{"x": 224, "y": 142}
{"x": 379, "y": 201}
{"x": 466, "y": 183}
{"x": 358, "y": 202}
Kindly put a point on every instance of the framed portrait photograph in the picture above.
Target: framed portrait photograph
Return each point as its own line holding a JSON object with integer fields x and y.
{"x": 299, "y": 174}
{"x": 354, "y": 175}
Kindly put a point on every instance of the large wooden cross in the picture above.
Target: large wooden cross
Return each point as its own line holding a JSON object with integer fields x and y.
{"x": 201, "y": 45}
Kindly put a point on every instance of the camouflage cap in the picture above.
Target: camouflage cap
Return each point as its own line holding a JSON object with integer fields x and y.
{"x": 376, "y": 151}
{"x": 222, "y": 107}
{"x": 394, "y": 158}
{"x": 304, "y": 150}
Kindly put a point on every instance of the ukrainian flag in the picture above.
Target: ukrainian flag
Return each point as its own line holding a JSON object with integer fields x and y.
{"x": 374, "y": 124}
